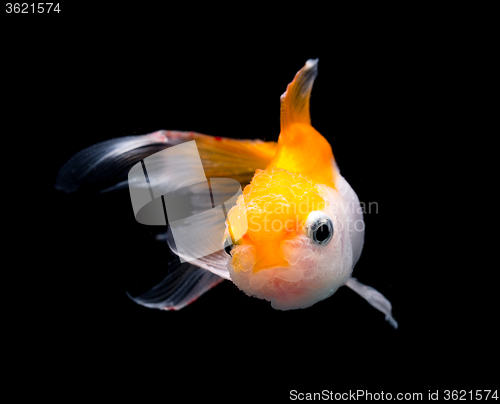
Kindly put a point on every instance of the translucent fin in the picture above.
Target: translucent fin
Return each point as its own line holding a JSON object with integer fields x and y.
{"x": 375, "y": 298}
{"x": 295, "y": 100}
{"x": 183, "y": 284}
{"x": 231, "y": 158}
{"x": 215, "y": 263}
{"x": 109, "y": 160}
{"x": 105, "y": 165}
{"x": 112, "y": 165}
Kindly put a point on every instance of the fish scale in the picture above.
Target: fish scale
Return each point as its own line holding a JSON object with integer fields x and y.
{"x": 277, "y": 205}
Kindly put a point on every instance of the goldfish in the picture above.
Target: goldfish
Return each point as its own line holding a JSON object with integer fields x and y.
{"x": 292, "y": 236}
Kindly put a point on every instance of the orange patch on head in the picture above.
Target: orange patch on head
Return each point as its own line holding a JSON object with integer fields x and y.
{"x": 277, "y": 204}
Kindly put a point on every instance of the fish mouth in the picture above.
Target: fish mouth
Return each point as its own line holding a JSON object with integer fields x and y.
{"x": 286, "y": 288}
{"x": 273, "y": 278}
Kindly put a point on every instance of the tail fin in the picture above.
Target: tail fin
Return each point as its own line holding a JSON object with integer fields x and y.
{"x": 183, "y": 284}
{"x": 295, "y": 100}
{"x": 107, "y": 163}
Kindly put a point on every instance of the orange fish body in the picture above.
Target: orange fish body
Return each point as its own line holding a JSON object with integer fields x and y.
{"x": 288, "y": 180}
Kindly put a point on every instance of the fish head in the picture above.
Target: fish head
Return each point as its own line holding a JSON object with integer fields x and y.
{"x": 290, "y": 242}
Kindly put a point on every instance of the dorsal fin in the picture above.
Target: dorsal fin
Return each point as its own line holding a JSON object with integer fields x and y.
{"x": 301, "y": 148}
{"x": 295, "y": 100}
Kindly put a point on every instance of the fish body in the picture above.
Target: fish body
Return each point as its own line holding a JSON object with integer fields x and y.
{"x": 278, "y": 258}
{"x": 292, "y": 237}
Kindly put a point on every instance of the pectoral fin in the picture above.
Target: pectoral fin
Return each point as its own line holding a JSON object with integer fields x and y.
{"x": 375, "y": 298}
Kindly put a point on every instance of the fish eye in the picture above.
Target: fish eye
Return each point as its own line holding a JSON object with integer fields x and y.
{"x": 227, "y": 250}
{"x": 227, "y": 245}
{"x": 319, "y": 227}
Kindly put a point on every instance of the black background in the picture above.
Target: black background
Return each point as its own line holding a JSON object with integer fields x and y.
{"x": 375, "y": 99}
